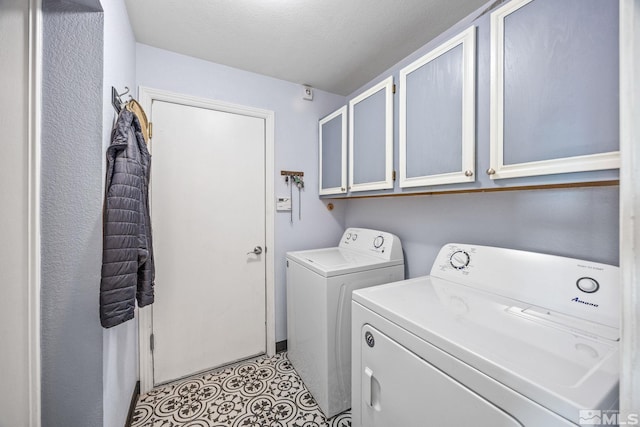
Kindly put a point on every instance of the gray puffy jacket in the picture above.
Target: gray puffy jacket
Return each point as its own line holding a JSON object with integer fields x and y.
{"x": 127, "y": 254}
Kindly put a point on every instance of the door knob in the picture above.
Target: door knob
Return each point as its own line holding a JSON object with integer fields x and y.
{"x": 256, "y": 251}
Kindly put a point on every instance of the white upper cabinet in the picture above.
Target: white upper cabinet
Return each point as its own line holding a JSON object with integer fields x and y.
{"x": 437, "y": 115}
{"x": 525, "y": 97}
{"x": 554, "y": 88}
{"x": 333, "y": 152}
{"x": 371, "y": 138}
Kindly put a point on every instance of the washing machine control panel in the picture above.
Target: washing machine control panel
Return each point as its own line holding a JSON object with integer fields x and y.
{"x": 374, "y": 242}
{"x": 459, "y": 259}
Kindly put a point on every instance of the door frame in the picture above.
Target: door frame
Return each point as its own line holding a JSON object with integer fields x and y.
{"x": 34, "y": 228}
{"x": 145, "y": 320}
{"x": 629, "y": 207}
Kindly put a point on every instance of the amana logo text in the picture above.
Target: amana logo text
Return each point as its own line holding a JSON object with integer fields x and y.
{"x": 576, "y": 299}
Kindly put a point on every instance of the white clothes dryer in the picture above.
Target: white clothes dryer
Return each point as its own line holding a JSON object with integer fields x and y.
{"x": 492, "y": 338}
{"x": 319, "y": 287}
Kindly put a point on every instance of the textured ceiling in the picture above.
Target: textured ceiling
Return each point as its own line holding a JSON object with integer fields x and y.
{"x": 333, "y": 45}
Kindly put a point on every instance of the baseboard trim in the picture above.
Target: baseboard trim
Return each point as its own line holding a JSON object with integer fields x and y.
{"x": 281, "y": 346}
{"x": 132, "y": 405}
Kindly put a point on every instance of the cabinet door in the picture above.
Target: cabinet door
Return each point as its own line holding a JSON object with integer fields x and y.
{"x": 554, "y": 87}
{"x": 333, "y": 153}
{"x": 437, "y": 115}
{"x": 371, "y": 138}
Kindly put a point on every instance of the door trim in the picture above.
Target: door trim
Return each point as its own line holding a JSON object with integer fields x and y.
{"x": 629, "y": 197}
{"x": 34, "y": 223}
{"x": 146, "y": 97}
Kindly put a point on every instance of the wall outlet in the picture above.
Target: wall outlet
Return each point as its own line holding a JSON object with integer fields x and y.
{"x": 283, "y": 204}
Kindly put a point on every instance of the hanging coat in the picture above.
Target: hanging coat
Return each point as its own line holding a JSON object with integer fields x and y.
{"x": 127, "y": 254}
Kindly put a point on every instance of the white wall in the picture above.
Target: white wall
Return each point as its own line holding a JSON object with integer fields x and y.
{"x": 119, "y": 343}
{"x": 296, "y": 143}
{"x": 14, "y": 187}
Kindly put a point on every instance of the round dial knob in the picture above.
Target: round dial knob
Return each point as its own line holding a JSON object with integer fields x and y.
{"x": 348, "y": 236}
{"x": 378, "y": 241}
{"x": 587, "y": 284}
{"x": 459, "y": 260}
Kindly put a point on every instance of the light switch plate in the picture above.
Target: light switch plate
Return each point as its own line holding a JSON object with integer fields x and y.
{"x": 283, "y": 204}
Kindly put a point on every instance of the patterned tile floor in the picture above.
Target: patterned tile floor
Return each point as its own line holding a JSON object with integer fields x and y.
{"x": 264, "y": 392}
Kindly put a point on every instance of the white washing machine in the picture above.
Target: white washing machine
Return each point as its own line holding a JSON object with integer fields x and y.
{"x": 319, "y": 286}
{"x": 493, "y": 337}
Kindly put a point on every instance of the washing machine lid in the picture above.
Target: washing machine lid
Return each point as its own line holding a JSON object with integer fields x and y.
{"x": 330, "y": 262}
{"x": 564, "y": 364}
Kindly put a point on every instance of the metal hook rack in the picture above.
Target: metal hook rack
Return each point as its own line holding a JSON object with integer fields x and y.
{"x": 294, "y": 178}
{"x": 291, "y": 173}
{"x": 116, "y": 98}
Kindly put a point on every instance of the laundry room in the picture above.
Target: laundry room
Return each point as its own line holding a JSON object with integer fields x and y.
{"x": 319, "y": 165}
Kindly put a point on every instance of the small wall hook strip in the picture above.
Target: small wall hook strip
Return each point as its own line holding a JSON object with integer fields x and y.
{"x": 291, "y": 173}
{"x": 116, "y": 98}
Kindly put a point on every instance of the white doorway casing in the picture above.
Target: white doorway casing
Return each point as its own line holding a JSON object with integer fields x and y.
{"x": 20, "y": 112}
{"x": 34, "y": 285}
{"x": 630, "y": 206}
{"x": 146, "y": 98}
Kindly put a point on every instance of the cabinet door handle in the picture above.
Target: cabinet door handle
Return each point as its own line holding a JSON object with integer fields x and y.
{"x": 491, "y": 171}
{"x": 468, "y": 173}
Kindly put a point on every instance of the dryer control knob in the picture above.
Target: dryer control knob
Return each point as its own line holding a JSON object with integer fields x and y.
{"x": 587, "y": 284}
{"x": 378, "y": 241}
{"x": 368, "y": 337}
{"x": 459, "y": 260}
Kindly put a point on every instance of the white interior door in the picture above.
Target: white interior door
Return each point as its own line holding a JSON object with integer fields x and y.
{"x": 208, "y": 215}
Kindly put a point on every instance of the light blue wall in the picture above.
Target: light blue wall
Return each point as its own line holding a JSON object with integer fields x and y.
{"x": 580, "y": 223}
{"x": 120, "y": 343}
{"x": 71, "y": 210}
{"x": 296, "y": 143}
